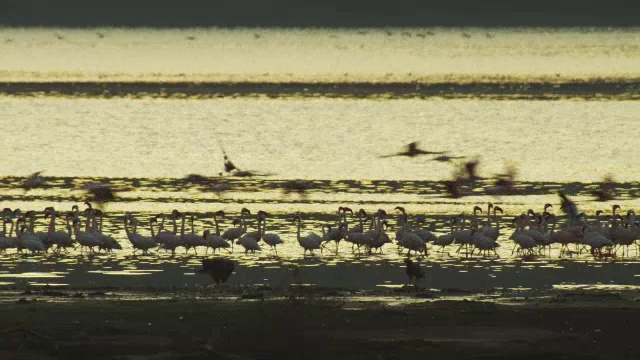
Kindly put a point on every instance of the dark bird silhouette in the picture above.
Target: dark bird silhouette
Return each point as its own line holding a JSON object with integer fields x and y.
{"x": 413, "y": 270}
{"x": 568, "y": 207}
{"x": 297, "y": 186}
{"x": 33, "y": 181}
{"x": 471, "y": 168}
{"x": 100, "y": 192}
{"x": 447, "y": 158}
{"x": 219, "y": 269}
{"x": 412, "y": 150}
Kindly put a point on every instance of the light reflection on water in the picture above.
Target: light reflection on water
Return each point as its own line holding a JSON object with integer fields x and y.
{"x": 319, "y": 138}
{"x": 316, "y": 54}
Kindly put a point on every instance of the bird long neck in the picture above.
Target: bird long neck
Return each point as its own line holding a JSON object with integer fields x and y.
{"x": 10, "y": 227}
{"x": 215, "y": 221}
{"x": 184, "y": 218}
{"x": 52, "y": 224}
{"x": 126, "y": 227}
{"x": 175, "y": 224}
{"x": 489, "y": 215}
{"x": 87, "y": 225}
{"x": 32, "y": 221}
{"x": 153, "y": 235}
{"x": 94, "y": 222}
{"x": 192, "y": 226}
{"x": 298, "y": 233}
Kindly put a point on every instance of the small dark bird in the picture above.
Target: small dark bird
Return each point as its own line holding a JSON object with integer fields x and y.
{"x": 33, "y": 181}
{"x": 447, "y": 158}
{"x": 413, "y": 270}
{"x": 298, "y": 186}
{"x": 412, "y": 151}
{"x": 567, "y": 205}
{"x": 471, "y": 168}
{"x": 196, "y": 179}
{"x": 219, "y": 269}
{"x": 100, "y": 192}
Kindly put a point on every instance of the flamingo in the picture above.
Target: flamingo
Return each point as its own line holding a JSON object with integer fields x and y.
{"x": 446, "y": 239}
{"x": 109, "y": 243}
{"x": 271, "y": 239}
{"x": 26, "y": 240}
{"x": 62, "y": 239}
{"x": 214, "y": 240}
{"x": 235, "y": 233}
{"x": 190, "y": 240}
{"x": 521, "y": 238}
{"x": 139, "y": 242}
{"x": 6, "y": 242}
{"x": 168, "y": 240}
{"x": 309, "y": 242}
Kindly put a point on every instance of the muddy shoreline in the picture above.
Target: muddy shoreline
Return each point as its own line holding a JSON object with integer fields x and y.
{"x": 210, "y": 326}
{"x": 619, "y": 89}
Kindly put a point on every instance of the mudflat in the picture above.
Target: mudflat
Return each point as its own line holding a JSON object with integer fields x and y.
{"x": 308, "y": 324}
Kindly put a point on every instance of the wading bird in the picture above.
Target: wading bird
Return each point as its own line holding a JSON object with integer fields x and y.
{"x": 219, "y": 269}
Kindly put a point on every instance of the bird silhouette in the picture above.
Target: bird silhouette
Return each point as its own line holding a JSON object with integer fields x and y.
{"x": 219, "y": 269}
{"x": 413, "y": 270}
{"x": 412, "y": 150}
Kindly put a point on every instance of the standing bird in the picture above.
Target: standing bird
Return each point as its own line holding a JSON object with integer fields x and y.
{"x": 271, "y": 239}
{"x": 413, "y": 270}
{"x": 309, "y": 242}
{"x": 219, "y": 269}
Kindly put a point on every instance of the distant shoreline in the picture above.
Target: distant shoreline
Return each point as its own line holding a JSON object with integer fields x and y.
{"x": 628, "y": 89}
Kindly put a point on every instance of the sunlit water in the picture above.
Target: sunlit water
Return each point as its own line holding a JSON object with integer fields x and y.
{"x": 317, "y": 54}
{"x": 565, "y": 140}
{"x": 144, "y": 147}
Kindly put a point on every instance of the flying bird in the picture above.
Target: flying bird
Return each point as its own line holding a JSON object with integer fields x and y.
{"x": 412, "y": 150}
{"x": 33, "y": 181}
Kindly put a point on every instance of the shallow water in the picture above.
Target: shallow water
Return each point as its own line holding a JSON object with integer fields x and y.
{"x": 565, "y": 140}
{"x": 317, "y": 54}
{"x": 147, "y": 197}
{"x": 144, "y": 145}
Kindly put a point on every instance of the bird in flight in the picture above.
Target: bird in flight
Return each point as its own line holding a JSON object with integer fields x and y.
{"x": 412, "y": 150}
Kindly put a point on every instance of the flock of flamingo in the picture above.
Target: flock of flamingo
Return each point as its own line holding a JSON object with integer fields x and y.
{"x": 534, "y": 233}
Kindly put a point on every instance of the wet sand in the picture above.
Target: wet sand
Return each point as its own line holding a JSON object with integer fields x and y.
{"x": 541, "y": 89}
{"x": 318, "y": 325}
